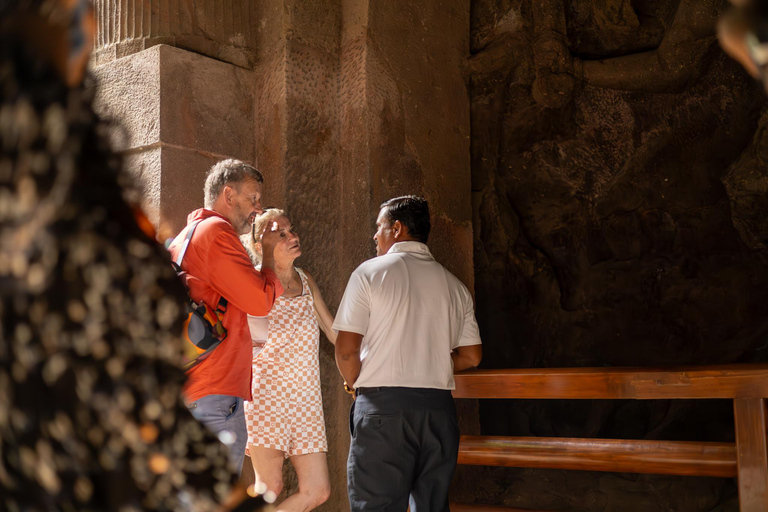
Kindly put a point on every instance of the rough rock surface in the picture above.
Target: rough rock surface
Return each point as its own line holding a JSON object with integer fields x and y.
{"x": 603, "y": 133}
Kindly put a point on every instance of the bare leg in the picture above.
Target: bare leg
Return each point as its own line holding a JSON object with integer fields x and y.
{"x": 246, "y": 473}
{"x": 268, "y": 467}
{"x": 314, "y": 483}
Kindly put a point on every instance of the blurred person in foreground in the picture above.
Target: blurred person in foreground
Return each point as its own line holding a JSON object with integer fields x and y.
{"x": 285, "y": 416}
{"x": 743, "y": 34}
{"x": 91, "y": 413}
{"x": 405, "y": 325}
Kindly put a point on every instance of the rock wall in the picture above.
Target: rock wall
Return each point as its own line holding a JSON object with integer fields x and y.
{"x": 619, "y": 220}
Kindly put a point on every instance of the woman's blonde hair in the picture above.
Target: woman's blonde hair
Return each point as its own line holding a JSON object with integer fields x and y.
{"x": 252, "y": 240}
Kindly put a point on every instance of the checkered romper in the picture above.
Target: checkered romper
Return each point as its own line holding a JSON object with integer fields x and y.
{"x": 287, "y": 408}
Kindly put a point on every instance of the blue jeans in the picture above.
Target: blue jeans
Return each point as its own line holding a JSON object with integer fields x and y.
{"x": 223, "y": 415}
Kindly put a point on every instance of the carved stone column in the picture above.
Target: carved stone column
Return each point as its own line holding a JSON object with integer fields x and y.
{"x": 221, "y": 29}
{"x": 177, "y": 114}
{"x": 177, "y": 77}
{"x": 358, "y": 101}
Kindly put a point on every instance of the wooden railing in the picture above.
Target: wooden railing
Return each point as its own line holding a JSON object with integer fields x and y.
{"x": 746, "y": 459}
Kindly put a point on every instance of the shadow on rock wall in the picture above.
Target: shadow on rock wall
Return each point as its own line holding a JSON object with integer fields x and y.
{"x": 621, "y": 198}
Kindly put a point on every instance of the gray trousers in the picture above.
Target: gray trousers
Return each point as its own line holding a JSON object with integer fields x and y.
{"x": 403, "y": 450}
{"x": 224, "y": 416}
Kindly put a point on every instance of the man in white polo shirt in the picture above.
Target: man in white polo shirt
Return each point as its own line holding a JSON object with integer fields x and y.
{"x": 405, "y": 326}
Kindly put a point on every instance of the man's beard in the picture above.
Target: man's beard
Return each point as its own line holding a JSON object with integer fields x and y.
{"x": 243, "y": 222}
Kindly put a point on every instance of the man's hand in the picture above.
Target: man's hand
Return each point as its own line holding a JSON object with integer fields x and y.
{"x": 348, "y": 355}
{"x": 269, "y": 239}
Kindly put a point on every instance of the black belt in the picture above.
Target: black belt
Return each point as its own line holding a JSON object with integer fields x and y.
{"x": 365, "y": 391}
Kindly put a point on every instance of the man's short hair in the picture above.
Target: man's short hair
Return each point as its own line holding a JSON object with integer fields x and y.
{"x": 412, "y": 212}
{"x": 228, "y": 172}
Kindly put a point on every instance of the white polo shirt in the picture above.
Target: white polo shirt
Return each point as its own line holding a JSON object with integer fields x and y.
{"x": 412, "y": 312}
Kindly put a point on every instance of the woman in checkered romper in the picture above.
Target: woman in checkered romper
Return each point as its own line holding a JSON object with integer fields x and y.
{"x": 285, "y": 418}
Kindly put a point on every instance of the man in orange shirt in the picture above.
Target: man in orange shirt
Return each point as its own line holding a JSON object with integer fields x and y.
{"x": 217, "y": 266}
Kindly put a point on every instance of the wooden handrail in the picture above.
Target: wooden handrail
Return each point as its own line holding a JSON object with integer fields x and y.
{"x": 746, "y": 385}
{"x": 456, "y": 507}
{"x": 730, "y": 381}
{"x": 751, "y": 417}
{"x": 656, "y": 457}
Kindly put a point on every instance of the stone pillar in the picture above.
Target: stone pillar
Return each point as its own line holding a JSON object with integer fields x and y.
{"x": 298, "y": 148}
{"x": 221, "y": 29}
{"x": 405, "y": 117}
{"x": 405, "y": 128}
{"x": 357, "y": 102}
{"x": 176, "y": 75}
{"x": 178, "y": 113}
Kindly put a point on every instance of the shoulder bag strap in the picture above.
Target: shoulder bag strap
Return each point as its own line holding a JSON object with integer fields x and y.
{"x": 221, "y": 307}
{"x": 185, "y": 244}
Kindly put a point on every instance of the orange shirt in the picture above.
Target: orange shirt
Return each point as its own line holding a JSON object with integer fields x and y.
{"x": 217, "y": 265}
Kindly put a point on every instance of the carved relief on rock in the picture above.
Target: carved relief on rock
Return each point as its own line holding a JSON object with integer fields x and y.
{"x": 602, "y": 134}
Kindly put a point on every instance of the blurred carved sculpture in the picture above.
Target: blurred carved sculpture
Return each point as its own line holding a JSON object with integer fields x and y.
{"x": 743, "y": 33}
